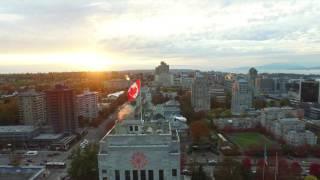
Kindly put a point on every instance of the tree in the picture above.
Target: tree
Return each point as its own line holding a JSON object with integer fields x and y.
{"x": 199, "y": 174}
{"x": 310, "y": 178}
{"x": 84, "y": 164}
{"x": 9, "y": 112}
{"x": 259, "y": 104}
{"x": 284, "y": 102}
{"x": 296, "y": 170}
{"x": 226, "y": 113}
{"x": 246, "y": 163}
{"x": 246, "y": 166}
{"x": 229, "y": 169}
{"x": 283, "y": 170}
{"x": 199, "y": 130}
{"x": 314, "y": 169}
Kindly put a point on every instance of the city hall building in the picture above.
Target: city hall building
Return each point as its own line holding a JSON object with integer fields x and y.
{"x": 133, "y": 150}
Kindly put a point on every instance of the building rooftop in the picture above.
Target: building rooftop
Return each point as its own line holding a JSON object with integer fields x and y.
{"x": 85, "y": 93}
{"x": 148, "y": 127}
{"x": 17, "y": 129}
{"x": 20, "y": 173}
{"x": 116, "y": 94}
{"x": 278, "y": 108}
{"x": 290, "y": 120}
{"x": 48, "y": 136}
{"x": 30, "y": 93}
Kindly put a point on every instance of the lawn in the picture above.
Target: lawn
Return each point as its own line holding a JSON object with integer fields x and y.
{"x": 246, "y": 139}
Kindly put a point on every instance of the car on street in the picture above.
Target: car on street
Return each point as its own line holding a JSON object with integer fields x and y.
{"x": 212, "y": 162}
{"x": 186, "y": 172}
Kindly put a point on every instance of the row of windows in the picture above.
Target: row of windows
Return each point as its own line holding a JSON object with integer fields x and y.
{"x": 143, "y": 174}
{"x": 136, "y": 128}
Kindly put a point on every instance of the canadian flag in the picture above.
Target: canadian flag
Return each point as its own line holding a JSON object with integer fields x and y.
{"x": 134, "y": 90}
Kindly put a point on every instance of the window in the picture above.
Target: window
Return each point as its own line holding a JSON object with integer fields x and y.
{"x": 131, "y": 128}
{"x": 150, "y": 174}
{"x": 135, "y": 175}
{"x": 104, "y": 171}
{"x": 174, "y": 172}
{"x": 161, "y": 176}
{"x": 127, "y": 174}
{"x": 143, "y": 175}
{"x": 136, "y": 128}
{"x": 117, "y": 174}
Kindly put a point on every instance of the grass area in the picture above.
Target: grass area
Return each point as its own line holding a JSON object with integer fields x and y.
{"x": 246, "y": 139}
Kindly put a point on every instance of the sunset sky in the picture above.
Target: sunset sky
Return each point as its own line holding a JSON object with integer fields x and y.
{"x": 71, "y": 35}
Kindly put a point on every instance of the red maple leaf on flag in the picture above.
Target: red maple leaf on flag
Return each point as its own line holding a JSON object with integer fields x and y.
{"x": 134, "y": 90}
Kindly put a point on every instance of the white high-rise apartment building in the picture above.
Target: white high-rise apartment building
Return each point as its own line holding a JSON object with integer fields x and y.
{"x": 241, "y": 96}
{"x": 87, "y": 105}
{"x": 32, "y": 108}
{"x": 200, "y": 97}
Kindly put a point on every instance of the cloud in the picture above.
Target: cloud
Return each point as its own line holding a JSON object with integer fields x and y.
{"x": 187, "y": 33}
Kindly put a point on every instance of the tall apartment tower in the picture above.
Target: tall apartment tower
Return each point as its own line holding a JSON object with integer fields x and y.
{"x": 253, "y": 74}
{"x": 87, "y": 105}
{"x": 200, "y": 97}
{"x": 32, "y": 108}
{"x": 241, "y": 96}
{"x": 163, "y": 76}
{"x": 61, "y": 109}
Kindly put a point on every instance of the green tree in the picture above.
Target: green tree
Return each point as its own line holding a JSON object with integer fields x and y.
{"x": 9, "y": 112}
{"x": 84, "y": 164}
{"x": 284, "y": 102}
{"x": 259, "y": 103}
{"x": 227, "y": 113}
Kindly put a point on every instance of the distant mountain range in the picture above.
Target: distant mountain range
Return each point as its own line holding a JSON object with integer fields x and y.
{"x": 276, "y": 67}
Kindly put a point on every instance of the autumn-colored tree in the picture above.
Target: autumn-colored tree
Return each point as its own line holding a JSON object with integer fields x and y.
{"x": 246, "y": 163}
{"x": 246, "y": 166}
{"x": 283, "y": 169}
{"x": 264, "y": 171}
{"x": 199, "y": 130}
{"x": 315, "y": 169}
{"x": 296, "y": 170}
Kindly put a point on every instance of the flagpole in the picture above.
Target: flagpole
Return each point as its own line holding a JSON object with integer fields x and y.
{"x": 263, "y": 171}
{"x": 264, "y": 161}
{"x": 140, "y": 105}
{"x": 276, "y": 169}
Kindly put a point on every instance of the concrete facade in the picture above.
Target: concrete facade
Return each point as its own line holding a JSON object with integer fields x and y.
{"x": 140, "y": 152}
{"x": 32, "y": 108}
{"x": 200, "y": 97}
{"x": 87, "y": 105}
{"x": 241, "y": 97}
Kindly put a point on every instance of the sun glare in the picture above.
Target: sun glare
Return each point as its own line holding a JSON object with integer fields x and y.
{"x": 89, "y": 61}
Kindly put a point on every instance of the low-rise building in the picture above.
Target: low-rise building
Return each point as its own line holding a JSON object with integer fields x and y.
{"x": 297, "y": 138}
{"x": 139, "y": 151}
{"x": 17, "y": 134}
{"x": 117, "y": 84}
{"x": 236, "y": 123}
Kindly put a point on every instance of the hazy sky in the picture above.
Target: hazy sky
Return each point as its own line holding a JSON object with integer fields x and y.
{"x": 59, "y": 35}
